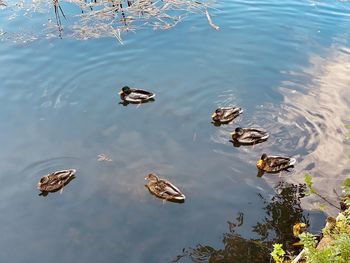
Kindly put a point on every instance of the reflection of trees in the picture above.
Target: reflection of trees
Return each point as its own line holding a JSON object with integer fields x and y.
{"x": 282, "y": 212}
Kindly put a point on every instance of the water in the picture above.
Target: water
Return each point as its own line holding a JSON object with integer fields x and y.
{"x": 286, "y": 63}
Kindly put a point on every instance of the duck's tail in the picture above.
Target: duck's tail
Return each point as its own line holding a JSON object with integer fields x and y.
{"x": 292, "y": 161}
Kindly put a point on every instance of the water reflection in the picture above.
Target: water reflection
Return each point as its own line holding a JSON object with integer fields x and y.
{"x": 282, "y": 211}
{"x": 316, "y": 119}
{"x": 103, "y": 18}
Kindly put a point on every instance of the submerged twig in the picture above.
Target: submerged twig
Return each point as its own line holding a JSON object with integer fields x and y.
{"x": 299, "y": 257}
{"x": 117, "y": 35}
{"x": 58, "y": 9}
{"x": 210, "y": 21}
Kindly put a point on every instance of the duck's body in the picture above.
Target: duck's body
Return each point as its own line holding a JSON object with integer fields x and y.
{"x": 272, "y": 164}
{"x": 249, "y": 136}
{"x": 164, "y": 189}
{"x": 225, "y": 115}
{"x": 56, "y": 180}
{"x": 135, "y": 95}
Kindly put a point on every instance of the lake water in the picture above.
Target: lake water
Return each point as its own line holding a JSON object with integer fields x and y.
{"x": 287, "y": 63}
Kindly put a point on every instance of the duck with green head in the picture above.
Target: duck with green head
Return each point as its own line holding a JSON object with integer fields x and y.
{"x": 249, "y": 136}
{"x": 224, "y": 115}
{"x": 131, "y": 95}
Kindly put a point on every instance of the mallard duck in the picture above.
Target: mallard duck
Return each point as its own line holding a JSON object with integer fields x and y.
{"x": 164, "y": 189}
{"x": 135, "y": 95}
{"x": 225, "y": 115}
{"x": 272, "y": 164}
{"x": 249, "y": 135}
{"x": 56, "y": 180}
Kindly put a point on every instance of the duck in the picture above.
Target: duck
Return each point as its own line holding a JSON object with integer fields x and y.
{"x": 224, "y": 115}
{"x": 56, "y": 180}
{"x": 273, "y": 164}
{"x": 248, "y": 136}
{"x": 164, "y": 189}
{"x": 130, "y": 95}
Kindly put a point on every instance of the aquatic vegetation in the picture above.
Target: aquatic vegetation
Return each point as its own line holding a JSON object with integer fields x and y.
{"x": 103, "y": 158}
{"x": 112, "y": 18}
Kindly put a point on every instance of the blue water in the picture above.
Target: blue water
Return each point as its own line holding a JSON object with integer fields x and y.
{"x": 284, "y": 62}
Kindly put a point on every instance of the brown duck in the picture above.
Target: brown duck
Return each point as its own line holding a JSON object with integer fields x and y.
{"x": 164, "y": 189}
{"x": 56, "y": 180}
{"x": 224, "y": 115}
{"x": 273, "y": 164}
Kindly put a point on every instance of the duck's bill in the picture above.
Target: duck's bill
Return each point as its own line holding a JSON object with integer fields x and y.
{"x": 259, "y": 163}
{"x": 214, "y": 115}
{"x": 120, "y": 92}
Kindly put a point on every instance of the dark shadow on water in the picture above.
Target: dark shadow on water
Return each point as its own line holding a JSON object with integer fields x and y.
{"x": 165, "y": 200}
{"x": 44, "y": 193}
{"x": 126, "y": 103}
{"x": 282, "y": 211}
{"x": 238, "y": 144}
{"x": 262, "y": 172}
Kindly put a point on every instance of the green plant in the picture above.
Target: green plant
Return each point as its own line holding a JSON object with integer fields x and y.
{"x": 347, "y": 135}
{"x": 309, "y": 183}
{"x": 278, "y": 253}
{"x": 337, "y": 240}
{"x": 346, "y": 191}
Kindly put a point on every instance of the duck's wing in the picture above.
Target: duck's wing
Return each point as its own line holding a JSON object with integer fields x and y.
{"x": 171, "y": 191}
{"x": 56, "y": 180}
{"x": 230, "y": 113}
{"x": 65, "y": 174}
{"x": 253, "y": 136}
{"x": 137, "y": 95}
{"x": 277, "y": 163}
{"x": 278, "y": 160}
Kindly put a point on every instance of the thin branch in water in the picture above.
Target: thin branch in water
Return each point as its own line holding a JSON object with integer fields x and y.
{"x": 210, "y": 21}
{"x": 117, "y": 35}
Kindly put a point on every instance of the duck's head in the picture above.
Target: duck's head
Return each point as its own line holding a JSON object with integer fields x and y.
{"x": 43, "y": 180}
{"x": 238, "y": 132}
{"x": 217, "y": 114}
{"x": 261, "y": 163}
{"x": 152, "y": 177}
{"x": 125, "y": 90}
